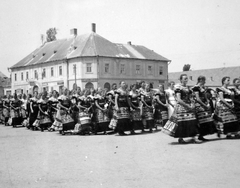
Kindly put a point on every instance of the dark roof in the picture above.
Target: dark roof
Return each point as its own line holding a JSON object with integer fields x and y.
{"x": 213, "y": 76}
{"x": 87, "y": 45}
{"x": 4, "y": 80}
{"x": 2, "y": 75}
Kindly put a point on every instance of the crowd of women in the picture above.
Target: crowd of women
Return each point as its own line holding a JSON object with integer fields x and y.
{"x": 179, "y": 111}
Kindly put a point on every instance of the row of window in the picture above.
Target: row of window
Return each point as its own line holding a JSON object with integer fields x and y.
{"x": 138, "y": 69}
{"x": 150, "y": 70}
{"x": 36, "y": 74}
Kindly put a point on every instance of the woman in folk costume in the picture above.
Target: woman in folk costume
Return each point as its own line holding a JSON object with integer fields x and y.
{"x": 183, "y": 122}
{"x": 26, "y": 122}
{"x": 236, "y": 90}
{"x": 74, "y": 107}
{"x": 85, "y": 103}
{"x": 33, "y": 110}
{"x": 203, "y": 109}
{"x": 147, "y": 100}
{"x": 1, "y": 111}
{"x": 6, "y": 108}
{"x": 142, "y": 87}
{"x": 15, "y": 111}
{"x": 122, "y": 109}
{"x": 161, "y": 106}
{"x": 65, "y": 107}
{"x": 24, "y": 109}
{"x": 225, "y": 112}
{"x": 111, "y": 100}
{"x": 136, "y": 105}
{"x": 101, "y": 114}
{"x": 171, "y": 98}
{"x": 212, "y": 98}
{"x": 53, "y": 107}
{"x": 44, "y": 110}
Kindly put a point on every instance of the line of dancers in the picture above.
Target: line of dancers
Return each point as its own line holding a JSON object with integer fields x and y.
{"x": 179, "y": 111}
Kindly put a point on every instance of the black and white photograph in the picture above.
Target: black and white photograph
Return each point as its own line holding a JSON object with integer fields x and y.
{"x": 119, "y": 94}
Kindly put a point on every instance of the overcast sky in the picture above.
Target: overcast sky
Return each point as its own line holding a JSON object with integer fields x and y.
{"x": 203, "y": 33}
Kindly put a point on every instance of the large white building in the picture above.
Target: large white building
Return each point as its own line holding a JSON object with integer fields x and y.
{"x": 96, "y": 61}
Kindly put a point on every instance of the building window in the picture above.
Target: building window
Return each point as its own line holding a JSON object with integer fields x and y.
{"x": 160, "y": 70}
{"x": 15, "y": 76}
{"x": 122, "y": 69}
{"x": 107, "y": 68}
{"x": 22, "y": 76}
{"x": 26, "y": 75}
{"x": 60, "y": 70}
{"x": 44, "y": 73}
{"x": 138, "y": 69}
{"x": 74, "y": 69}
{"x": 35, "y": 74}
{"x": 89, "y": 67}
{"x": 52, "y": 71}
{"x": 149, "y": 69}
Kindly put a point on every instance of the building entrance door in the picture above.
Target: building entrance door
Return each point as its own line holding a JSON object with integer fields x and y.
{"x": 35, "y": 88}
{"x": 89, "y": 85}
{"x": 107, "y": 86}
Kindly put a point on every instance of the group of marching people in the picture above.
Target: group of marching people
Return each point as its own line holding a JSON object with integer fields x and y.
{"x": 89, "y": 111}
{"x": 179, "y": 111}
{"x": 200, "y": 111}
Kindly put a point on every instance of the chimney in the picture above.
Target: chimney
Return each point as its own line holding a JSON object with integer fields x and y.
{"x": 94, "y": 27}
{"x": 129, "y": 43}
{"x": 73, "y": 32}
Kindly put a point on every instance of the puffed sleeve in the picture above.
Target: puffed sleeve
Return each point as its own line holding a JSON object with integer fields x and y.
{"x": 117, "y": 92}
{"x": 60, "y": 99}
{"x": 157, "y": 94}
{"x": 196, "y": 89}
{"x": 110, "y": 93}
{"x": 218, "y": 90}
{"x": 233, "y": 90}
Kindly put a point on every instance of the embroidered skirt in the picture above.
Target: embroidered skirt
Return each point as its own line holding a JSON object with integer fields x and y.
{"x": 227, "y": 118}
{"x": 182, "y": 123}
{"x": 205, "y": 120}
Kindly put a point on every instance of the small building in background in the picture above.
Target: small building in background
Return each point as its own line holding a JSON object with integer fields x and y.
{"x": 87, "y": 61}
{"x": 5, "y": 85}
{"x": 213, "y": 76}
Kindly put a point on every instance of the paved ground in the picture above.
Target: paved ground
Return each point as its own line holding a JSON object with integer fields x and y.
{"x": 48, "y": 159}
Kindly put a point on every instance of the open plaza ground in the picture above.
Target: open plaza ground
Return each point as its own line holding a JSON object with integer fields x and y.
{"x": 48, "y": 159}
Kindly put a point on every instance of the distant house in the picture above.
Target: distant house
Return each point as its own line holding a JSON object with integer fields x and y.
{"x": 213, "y": 76}
{"x": 5, "y": 85}
{"x": 88, "y": 60}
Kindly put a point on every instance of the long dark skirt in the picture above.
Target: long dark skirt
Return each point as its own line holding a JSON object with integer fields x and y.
{"x": 136, "y": 120}
{"x": 237, "y": 110}
{"x": 226, "y": 118}
{"x": 32, "y": 118}
{"x": 205, "y": 120}
{"x": 2, "y": 119}
{"x": 123, "y": 120}
{"x": 182, "y": 123}
{"x": 102, "y": 121}
{"x": 67, "y": 122}
{"x": 45, "y": 122}
{"x": 148, "y": 117}
{"x": 16, "y": 118}
{"x": 161, "y": 116}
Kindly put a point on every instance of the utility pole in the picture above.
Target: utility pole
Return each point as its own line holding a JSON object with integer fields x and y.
{"x": 75, "y": 74}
